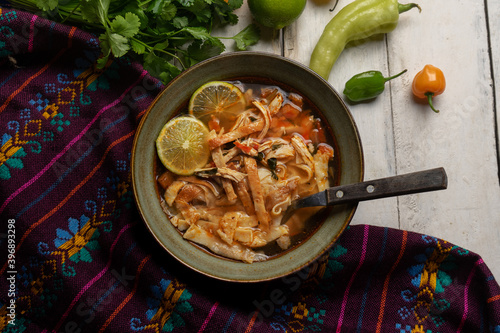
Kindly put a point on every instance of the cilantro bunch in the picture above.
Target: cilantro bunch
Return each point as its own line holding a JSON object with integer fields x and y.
{"x": 166, "y": 36}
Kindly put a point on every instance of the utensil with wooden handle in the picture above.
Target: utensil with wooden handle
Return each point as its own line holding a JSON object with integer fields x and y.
{"x": 415, "y": 182}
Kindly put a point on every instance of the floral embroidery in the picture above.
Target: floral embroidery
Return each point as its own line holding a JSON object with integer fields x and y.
{"x": 443, "y": 279}
{"x": 8, "y": 16}
{"x": 430, "y": 276}
{"x": 168, "y": 302}
{"x": 10, "y": 156}
{"x": 78, "y": 240}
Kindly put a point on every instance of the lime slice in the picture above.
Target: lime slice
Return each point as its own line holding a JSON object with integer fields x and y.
{"x": 218, "y": 99}
{"x": 182, "y": 145}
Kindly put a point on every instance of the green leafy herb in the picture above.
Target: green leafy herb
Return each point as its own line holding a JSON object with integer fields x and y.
{"x": 127, "y": 26}
{"x": 247, "y": 37}
{"x": 260, "y": 156}
{"x": 272, "y": 163}
{"x": 276, "y": 146}
{"x": 206, "y": 172}
{"x": 166, "y": 36}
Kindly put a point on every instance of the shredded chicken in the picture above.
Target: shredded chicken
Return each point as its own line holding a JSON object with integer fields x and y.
{"x": 266, "y": 114}
{"x": 321, "y": 159}
{"x": 277, "y": 148}
{"x": 223, "y": 172}
{"x": 302, "y": 151}
{"x": 276, "y": 104}
{"x": 238, "y": 133}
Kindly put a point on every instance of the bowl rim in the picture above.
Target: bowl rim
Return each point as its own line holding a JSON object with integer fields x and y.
{"x": 143, "y": 213}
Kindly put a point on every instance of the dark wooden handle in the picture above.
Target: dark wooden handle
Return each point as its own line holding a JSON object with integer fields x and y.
{"x": 416, "y": 182}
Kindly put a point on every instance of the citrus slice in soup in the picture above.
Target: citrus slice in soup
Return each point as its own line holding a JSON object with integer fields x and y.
{"x": 182, "y": 145}
{"x": 217, "y": 101}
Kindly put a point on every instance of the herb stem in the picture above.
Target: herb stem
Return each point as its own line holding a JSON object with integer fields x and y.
{"x": 174, "y": 56}
{"x": 71, "y": 13}
{"x": 142, "y": 3}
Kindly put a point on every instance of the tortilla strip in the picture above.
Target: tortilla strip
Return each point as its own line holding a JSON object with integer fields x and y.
{"x": 240, "y": 132}
{"x": 227, "y": 225}
{"x": 307, "y": 172}
{"x": 182, "y": 202}
{"x": 246, "y": 199}
{"x": 257, "y": 194}
{"x": 189, "y": 213}
{"x": 214, "y": 243}
{"x": 231, "y": 153}
{"x": 231, "y": 174}
{"x": 180, "y": 223}
{"x": 226, "y": 183}
{"x": 188, "y": 193}
{"x": 281, "y": 193}
{"x": 262, "y": 238}
{"x": 208, "y": 184}
{"x": 172, "y": 191}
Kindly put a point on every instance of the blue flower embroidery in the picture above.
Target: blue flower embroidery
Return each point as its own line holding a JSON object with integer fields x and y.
{"x": 443, "y": 278}
{"x": 10, "y": 156}
{"x": 78, "y": 240}
{"x": 182, "y": 306}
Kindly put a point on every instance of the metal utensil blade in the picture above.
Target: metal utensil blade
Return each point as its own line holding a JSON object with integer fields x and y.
{"x": 318, "y": 199}
{"x": 415, "y": 182}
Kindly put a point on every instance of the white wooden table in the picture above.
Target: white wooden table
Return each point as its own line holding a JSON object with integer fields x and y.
{"x": 400, "y": 135}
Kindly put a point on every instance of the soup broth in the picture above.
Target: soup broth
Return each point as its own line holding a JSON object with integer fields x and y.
{"x": 233, "y": 206}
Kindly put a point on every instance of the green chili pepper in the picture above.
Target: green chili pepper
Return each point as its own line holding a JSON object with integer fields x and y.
{"x": 366, "y": 85}
{"x": 358, "y": 20}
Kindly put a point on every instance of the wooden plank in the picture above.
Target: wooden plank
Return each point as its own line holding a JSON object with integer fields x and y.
{"x": 493, "y": 8}
{"x": 451, "y": 35}
{"x": 373, "y": 119}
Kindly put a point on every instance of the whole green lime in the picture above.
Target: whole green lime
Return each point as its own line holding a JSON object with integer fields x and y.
{"x": 276, "y": 14}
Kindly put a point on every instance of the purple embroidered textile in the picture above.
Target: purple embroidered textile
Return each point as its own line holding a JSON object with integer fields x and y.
{"x": 76, "y": 257}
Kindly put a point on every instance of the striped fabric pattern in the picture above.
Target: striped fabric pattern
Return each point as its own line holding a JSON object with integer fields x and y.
{"x": 76, "y": 257}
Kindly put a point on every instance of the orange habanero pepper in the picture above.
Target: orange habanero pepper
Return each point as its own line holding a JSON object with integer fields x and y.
{"x": 429, "y": 82}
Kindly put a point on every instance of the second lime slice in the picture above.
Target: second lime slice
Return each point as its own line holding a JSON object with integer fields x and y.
{"x": 182, "y": 145}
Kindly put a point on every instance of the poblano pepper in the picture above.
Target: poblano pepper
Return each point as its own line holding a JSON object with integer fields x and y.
{"x": 358, "y": 20}
{"x": 366, "y": 85}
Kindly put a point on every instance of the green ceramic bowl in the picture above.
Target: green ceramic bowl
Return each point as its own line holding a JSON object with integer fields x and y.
{"x": 225, "y": 67}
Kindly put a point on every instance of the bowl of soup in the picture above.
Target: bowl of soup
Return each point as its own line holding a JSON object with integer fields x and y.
{"x": 271, "y": 131}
